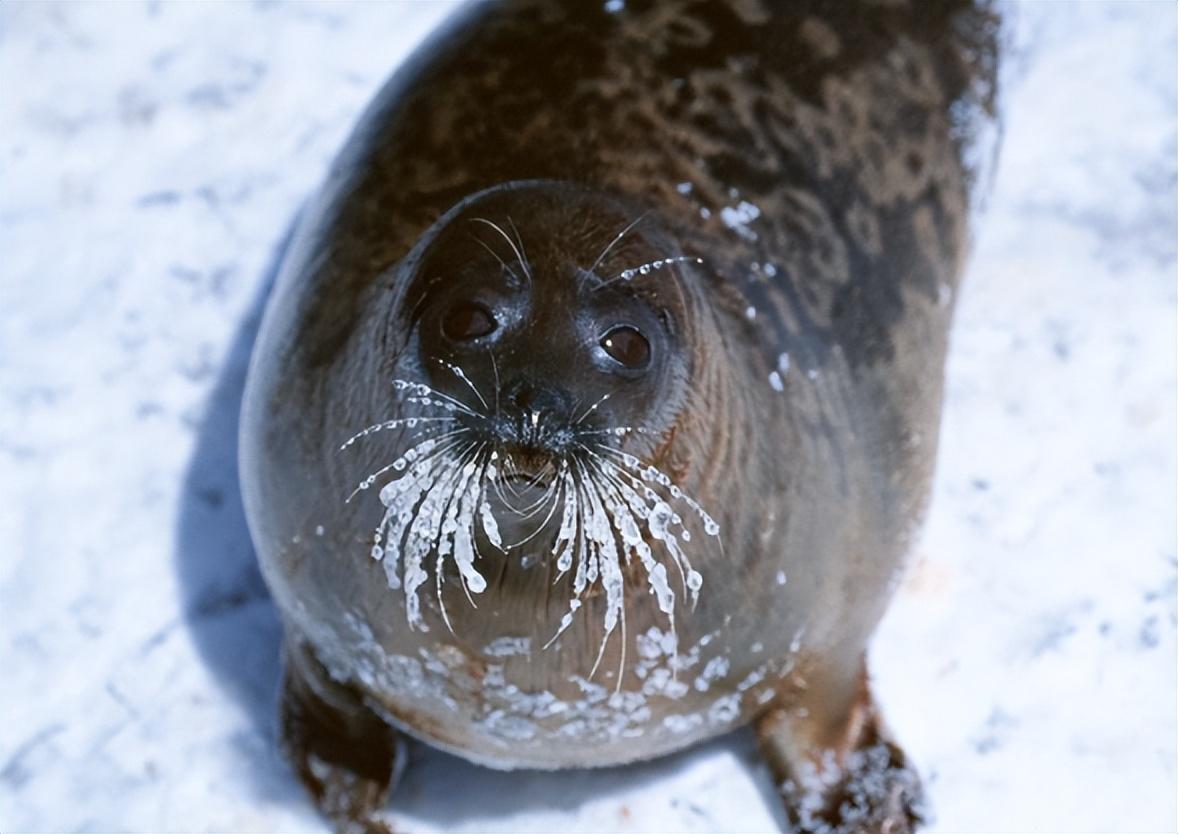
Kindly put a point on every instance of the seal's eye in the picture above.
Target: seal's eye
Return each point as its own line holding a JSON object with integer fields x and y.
{"x": 467, "y": 320}
{"x": 626, "y": 346}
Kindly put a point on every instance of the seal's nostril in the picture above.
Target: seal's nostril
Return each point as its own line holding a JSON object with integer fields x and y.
{"x": 535, "y": 402}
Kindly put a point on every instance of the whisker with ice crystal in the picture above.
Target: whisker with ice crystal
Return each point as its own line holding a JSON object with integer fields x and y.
{"x": 591, "y": 409}
{"x": 426, "y": 447}
{"x": 619, "y": 431}
{"x": 571, "y": 548}
{"x": 401, "y": 498}
{"x": 646, "y": 268}
{"x": 660, "y": 520}
{"x": 458, "y": 372}
{"x": 623, "y": 505}
{"x": 649, "y": 472}
{"x": 402, "y": 422}
{"x": 601, "y": 533}
{"x": 449, "y": 526}
{"x": 416, "y": 544}
{"x": 616, "y": 240}
{"x": 423, "y": 394}
{"x": 656, "y": 518}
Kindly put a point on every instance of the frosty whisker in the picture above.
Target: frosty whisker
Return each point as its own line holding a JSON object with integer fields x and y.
{"x": 406, "y": 422}
{"x": 620, "y": 431}
{"x": 439, "y": 543}
{"x": 423, "y": 394}
{"x": 623, "y": 502}
{"x": 425, "y": 448}
{"x": 615, "y": 241}
{"x": 457, "y": 371}
{"x": 656, "y": 518}
{"x": 601, "y": 533}
{"x": 646, "y": 268}
{"x": 651, "y": 473}
{"x": 662, "y": 519}
{"x": 591, "y": 409}
{"x": 482, "y": 463}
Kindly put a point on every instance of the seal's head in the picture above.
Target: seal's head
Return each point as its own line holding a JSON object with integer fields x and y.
{"x": 566, "y": 323}
{"x": 546, "y": 360}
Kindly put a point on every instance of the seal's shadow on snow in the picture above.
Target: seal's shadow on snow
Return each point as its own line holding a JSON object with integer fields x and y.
{"x": 721, "y": 785}
{"x": 226, "y": 607}
{"x": 236, "y": 629}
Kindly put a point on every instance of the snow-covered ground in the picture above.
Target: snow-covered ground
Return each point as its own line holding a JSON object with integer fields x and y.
{"x": 152, "y": 157}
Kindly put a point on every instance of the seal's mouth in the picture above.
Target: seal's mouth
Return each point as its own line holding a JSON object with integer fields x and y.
{"x": 526, "y": 468}
{"x": 525, "y": 482}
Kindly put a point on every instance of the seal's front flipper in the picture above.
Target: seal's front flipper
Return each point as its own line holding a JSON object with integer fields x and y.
{"x": 836, "y": 767}
{"x": 344, "y": 754}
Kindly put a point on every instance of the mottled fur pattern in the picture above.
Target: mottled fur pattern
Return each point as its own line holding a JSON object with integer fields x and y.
{"x": 799, "y": 173}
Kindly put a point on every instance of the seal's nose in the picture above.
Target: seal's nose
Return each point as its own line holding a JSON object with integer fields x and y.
{"x": 535, "y": 401}
{"x": 537, "y": 411}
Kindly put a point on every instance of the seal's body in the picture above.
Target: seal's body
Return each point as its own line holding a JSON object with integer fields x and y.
{"x": 640, "y": 312}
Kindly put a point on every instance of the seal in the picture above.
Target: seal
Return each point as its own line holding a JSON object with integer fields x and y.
{"x": 596, "y": 403}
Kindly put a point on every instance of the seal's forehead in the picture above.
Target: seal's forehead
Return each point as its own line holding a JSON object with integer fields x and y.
{"x": 554, "y": 219}
{"x": 558, "y": 228}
